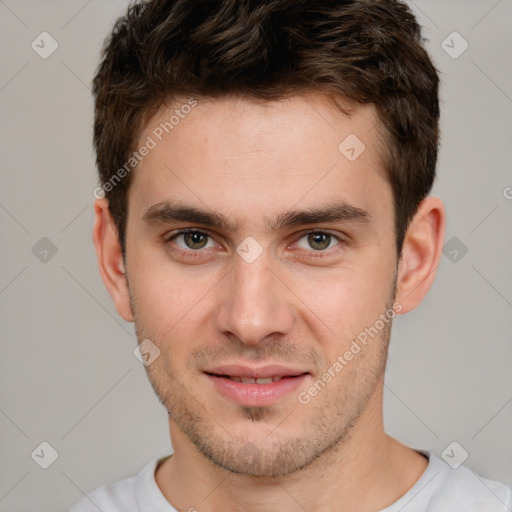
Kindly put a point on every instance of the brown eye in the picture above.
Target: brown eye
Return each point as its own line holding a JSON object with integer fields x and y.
{"x": 191, "y": 241}
{"x": 195, "y": 239}
{"x": 319, "y": 241}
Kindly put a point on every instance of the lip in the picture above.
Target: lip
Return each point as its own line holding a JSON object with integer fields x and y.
{"x": 255, "y": 395}
{"x": 254, "y": 372}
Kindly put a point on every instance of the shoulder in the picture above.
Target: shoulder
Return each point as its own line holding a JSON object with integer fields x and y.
{"x": 114, "y": 497}
{"x": 442, "y": 488}
{"x": 464, "y": 490}
{"x": 120, "y": 496}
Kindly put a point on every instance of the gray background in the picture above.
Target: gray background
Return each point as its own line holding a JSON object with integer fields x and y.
{"x": 67, "y": 369}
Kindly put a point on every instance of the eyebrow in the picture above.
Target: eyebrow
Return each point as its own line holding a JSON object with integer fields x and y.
{"x": 169, "y": 212}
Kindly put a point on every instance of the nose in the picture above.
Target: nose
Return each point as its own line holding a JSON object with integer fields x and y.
{"x": 255, "y": 302}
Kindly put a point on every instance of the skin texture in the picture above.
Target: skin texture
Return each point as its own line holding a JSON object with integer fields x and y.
{"x": 295, "y": 304}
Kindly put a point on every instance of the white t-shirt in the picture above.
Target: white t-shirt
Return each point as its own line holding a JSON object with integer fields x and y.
{"x": 439, "y": 489}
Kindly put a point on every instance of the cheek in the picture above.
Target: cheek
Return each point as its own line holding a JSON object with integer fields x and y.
{"x": 341, "y": 303}
{"x": 171, "y": 303}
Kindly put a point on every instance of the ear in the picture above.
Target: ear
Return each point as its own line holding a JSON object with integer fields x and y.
{"x": 110, "y": 258}
{"x": 421, "y": 252}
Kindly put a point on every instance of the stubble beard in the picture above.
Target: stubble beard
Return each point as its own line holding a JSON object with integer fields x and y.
{"x": 325, "y": 429}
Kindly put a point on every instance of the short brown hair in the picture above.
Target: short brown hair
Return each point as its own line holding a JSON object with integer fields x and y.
{"x": 368, "y": 51}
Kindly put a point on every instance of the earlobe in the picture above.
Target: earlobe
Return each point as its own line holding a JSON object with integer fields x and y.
{"x": 421, "y": 253}
{"x": 110, "y": 258}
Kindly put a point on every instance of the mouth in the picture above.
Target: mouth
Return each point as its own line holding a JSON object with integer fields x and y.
{"x": 262, "y": 380}
{"x": 255, "y": 387}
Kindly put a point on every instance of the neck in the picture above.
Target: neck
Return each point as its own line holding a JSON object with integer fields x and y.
{"x": 367, "y": 471}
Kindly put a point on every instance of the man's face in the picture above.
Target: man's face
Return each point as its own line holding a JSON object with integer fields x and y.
{"x": 267, "y": 293}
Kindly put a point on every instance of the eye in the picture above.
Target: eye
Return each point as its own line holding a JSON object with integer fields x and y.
{"x": 318, "y": 241}
{"x": 191, "y": 240}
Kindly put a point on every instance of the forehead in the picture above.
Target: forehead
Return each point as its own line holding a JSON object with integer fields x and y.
{"x": 245, "y": 157}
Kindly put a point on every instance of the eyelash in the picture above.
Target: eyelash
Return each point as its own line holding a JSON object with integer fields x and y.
{"x": 197, "y": 253}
